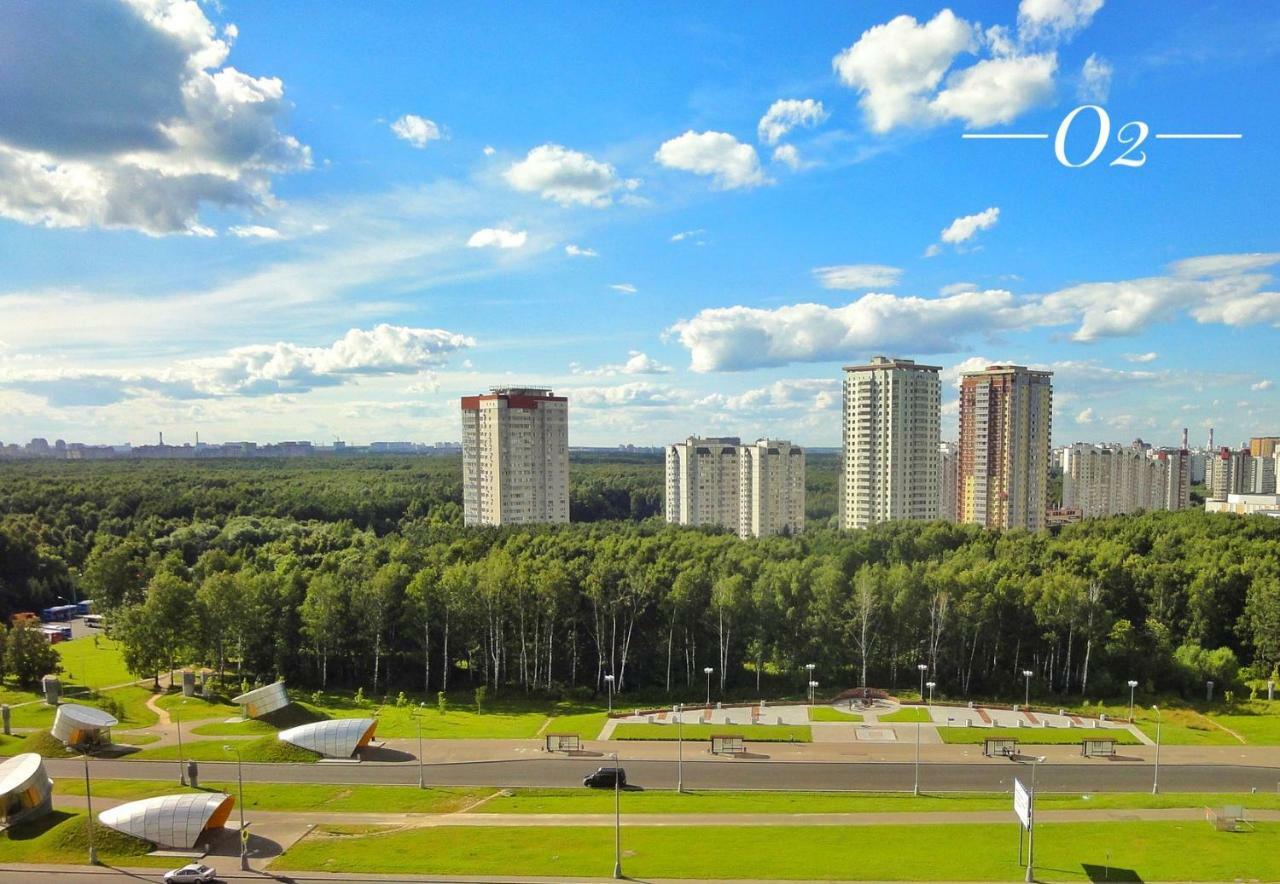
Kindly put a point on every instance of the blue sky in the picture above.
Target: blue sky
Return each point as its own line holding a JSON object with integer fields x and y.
{"x": 297, "y": 220}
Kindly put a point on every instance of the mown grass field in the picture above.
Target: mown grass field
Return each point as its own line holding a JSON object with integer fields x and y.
{"x": 758, "y": 733}
{"x": 953, "y": 852}
{"x": 908, "y": 715}
{"x": 826, "y": 713}
{"x": 583, "y": 801}
{"x": 296, "y": 796}
{"x": 1034, "y": 736}
{"x": 265, "y": 749}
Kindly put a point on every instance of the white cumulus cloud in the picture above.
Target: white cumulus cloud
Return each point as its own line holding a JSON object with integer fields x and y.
{"x": 575, "y": 251}
{"x": 497, "y": 237}
{"x": 1142, "y": 357}
{"x": 687, "y": 234}
{"x": 418, "y": 131}
{"x": 1095, "y": 79}
{"x": 789, "y": 156}
{"x": 787, "y": 114}
{"x": 997, "y": 90}
{"x": 730, "y": 163}
{"x": 254, "y": 231}
{"x": 1085, "y": 417}
{"x": 637, "y": 363}
{"x": 964, "y": 228}
{"x": 567, "y": 176}
{"x": 1261, "y": 386}
{"x": 1055, "y": 20}
{"x": 146, "y": 128}
{"x": 857, "y": 276}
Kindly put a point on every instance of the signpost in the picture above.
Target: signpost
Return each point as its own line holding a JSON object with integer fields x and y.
{"x": 1024, "y": 805}
{"x": 1022, "y": 809}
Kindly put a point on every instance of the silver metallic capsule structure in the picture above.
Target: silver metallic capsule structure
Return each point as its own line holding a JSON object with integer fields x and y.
{"x": 175, "y": 822}
{"x": 261, "y": 701}
{"x": 77, "y": 725}
{"x": 332, "y": 738}
{"x": 26, "y": 791}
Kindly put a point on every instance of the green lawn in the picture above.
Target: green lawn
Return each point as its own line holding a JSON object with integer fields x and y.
{"x": 61, "y": 837}
{"x": 1183, "y": 726}
{"x": 908, "y": 715}
{"x": 826, "y": 713}
{"x": 954, "y": 852}
{"x": 586, "y": 725}
{"x": 502, "y": 719}
{"x": 296, "y": 796}
{"x": 224, "y": 728}
{"x": 196, "y": 708}
{"x": 1034, "y": 736}
{"x": 758, "y": 733}
{"x": 592, "y": 801}
{"x": 268, "y": 749}
{"x": 1256, "y": 720}
{"x": 93, "y": 667}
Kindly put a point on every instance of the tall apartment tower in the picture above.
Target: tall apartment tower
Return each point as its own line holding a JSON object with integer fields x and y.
{"x": 515, "y": 457}
{"x": 1177, "y": 476}
{"x": 1006, "y": 425}
{"x": 703, "y": 482}
{"x": 889, "y": 468}
{"x": 770, "y": 488}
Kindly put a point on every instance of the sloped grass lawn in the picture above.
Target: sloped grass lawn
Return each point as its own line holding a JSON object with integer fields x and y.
{"x": 1183, "y": 725}
{"x": 1035, "y": 736}
{"x": 826, "y": 713}
{"x": 62, "y": 837}
{"x": 296, "y": 796}
{"x": 266, "y": 749}
{"x": 196, "y": 708}
{"x": 953, "y": 852}
{"x": 586, "y": 725}
{"x": 908, "y": 715}
{"x": 758, "y": 733}
{"x": 1256, "y": 720}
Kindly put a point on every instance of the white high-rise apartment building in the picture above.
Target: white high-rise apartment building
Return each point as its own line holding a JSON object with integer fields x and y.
{"x": 515, "y": 457}
{"x": 754, "y": 490}
{"x": 889, "y": 466}
{"x": 1006, "y": 424}
{"x": 703, "y": 482}
{"x": 771, "y": 488}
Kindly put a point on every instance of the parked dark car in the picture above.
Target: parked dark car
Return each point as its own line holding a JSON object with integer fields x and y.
{"x": 606, "y": 778}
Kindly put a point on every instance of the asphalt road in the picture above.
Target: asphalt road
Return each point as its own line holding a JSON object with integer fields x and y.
{"x": 1104, "y": 776}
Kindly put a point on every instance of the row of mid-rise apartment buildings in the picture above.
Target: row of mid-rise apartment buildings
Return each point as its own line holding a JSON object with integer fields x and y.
{"x": 515, "y": 470}
{"x": 895, "y": 466}
{"x": 1111, "y": 480}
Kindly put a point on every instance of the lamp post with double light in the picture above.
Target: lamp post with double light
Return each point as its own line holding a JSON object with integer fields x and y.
{"x": 1133, "y": 685}
{"x": 809, "y": 667}
{"x": 812, "y": 686}
{"x": 923, "y": 668}
{"x": 617, "y": 818}
{"x": 1026, "y": 700}
{"x": 608, "y": 680}
{"x": 680, "y": 747}
{"x": 931, "y": 685}
{"x": 707, "y": 671}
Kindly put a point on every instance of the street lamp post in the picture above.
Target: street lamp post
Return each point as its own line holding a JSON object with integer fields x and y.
{"x": 916, "y": 789}
{"x": 617, "y": 820}
{"x": 809, "y": 667}
{"x": 923, "y": 667}
{"x": 1031, "y": 829}
{"x": 182, "y": 768}
{"x": 88, "y": 797}
{"x": 608, "y": 680}
{"x": 1026, "y": 702}
{"x": 244, "y": 835}
{"x": 707, "y": 671}
{"x": 679, "y": 747}
{"x": 1132, "y": 686}
{"x": 812, "y": 685}
{"x": 931, "y": 685}
{"x": 1155, "y": 781}
{"x": 422, "y": 783}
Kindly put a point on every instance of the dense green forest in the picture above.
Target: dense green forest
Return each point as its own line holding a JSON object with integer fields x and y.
{"x": 357, "y": 571}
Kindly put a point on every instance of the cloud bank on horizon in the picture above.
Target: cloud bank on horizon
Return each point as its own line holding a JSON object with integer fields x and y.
{"x": 404, "y": 240}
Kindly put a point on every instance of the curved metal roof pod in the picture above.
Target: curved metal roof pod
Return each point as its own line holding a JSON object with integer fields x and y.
{"x": 74, "y": 722}
{"x": 260, "y": 701}
{"x": 173, "y": 821}
{"x": 25, "y": 788}
{"x": 333, "y": 738}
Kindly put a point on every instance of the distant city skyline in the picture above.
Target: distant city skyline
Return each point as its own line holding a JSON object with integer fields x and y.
{"x": 684, "y": 218}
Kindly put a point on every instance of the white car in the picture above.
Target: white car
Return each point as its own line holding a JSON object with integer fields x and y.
{"x": 190, "y": 872}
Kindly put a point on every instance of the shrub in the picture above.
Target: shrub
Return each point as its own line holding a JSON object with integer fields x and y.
{"x": 442, "y": 702}
{"x": 401, "y": 699}
{"x": 481, "y": 693}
